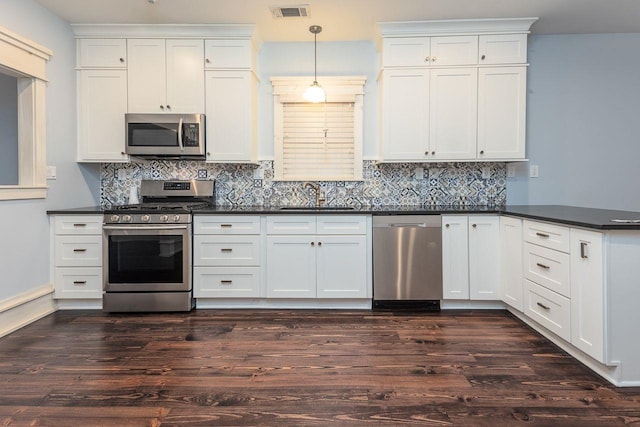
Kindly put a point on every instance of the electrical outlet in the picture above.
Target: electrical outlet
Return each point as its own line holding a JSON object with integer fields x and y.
{"x": 418, "y": 173}
{"x": 511, "y": 171}
{"x": 486, "y": 172}
{"x": 122, "y": 174}
{"x": 258, "y": 173}
{"x": 51, "y": 172}
{"x": 533, "y": 171}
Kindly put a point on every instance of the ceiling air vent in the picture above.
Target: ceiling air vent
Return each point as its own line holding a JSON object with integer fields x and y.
{"x": 297, "y": 11}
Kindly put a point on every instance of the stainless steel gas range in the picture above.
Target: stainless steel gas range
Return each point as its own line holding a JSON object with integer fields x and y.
{"x": 147, "y": 248}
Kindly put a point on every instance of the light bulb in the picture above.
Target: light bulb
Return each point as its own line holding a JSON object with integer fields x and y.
{"x": 315, "y": 93}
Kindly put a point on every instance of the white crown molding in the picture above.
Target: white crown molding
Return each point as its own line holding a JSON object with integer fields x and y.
{"x": 220, "y": 31}
{"x": 456, "y": 27}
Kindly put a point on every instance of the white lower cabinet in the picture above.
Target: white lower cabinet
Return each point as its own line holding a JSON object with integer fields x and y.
{"x": 548, "y": 308}
{"x": 77, "y": 256}
{"x": 227, "y": 257}
{"x": 471, "y": 257}
{"x": 317, "y": 257}
{"x": 511, "y": 262}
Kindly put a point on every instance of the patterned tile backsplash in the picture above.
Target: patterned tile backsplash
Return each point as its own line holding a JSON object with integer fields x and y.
{"x": 398, "y": 184}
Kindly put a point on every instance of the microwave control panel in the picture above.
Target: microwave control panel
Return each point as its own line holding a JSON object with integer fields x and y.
{"x": 190, "y": 134}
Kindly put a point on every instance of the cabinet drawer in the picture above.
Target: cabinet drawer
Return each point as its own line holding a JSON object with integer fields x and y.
{"x": 73, "y": 282}
{"x": 78, "y": 251}
{"x": 548, "y": 268}
{"x": 226, "y": 224}
{"x": 291, "y": 224}
{"x": 224, "y": 282}
{"x": 549, "y": 309}
{"x": 341, "y": 224}
{"x": 226, "y": 251}
{"x": 78, "y": 224}
{"x": 547, "y": 235}
{"x": 102, "y": 53}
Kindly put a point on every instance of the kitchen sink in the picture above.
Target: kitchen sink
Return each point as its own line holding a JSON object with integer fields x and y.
{"x": 316, "y": 208}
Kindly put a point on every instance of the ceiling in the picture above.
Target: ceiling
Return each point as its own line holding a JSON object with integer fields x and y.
{"x": 354, "y": 19}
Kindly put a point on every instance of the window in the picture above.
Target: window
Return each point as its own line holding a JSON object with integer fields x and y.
{"x": 318, "y": 142}
{"x": 23, "y": 62}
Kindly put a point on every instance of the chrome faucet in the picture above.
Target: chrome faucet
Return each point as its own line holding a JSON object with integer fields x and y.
{"x": 316, "y": 189}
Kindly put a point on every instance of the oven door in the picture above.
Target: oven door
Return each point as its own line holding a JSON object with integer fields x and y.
{"x": 147, "y": 258}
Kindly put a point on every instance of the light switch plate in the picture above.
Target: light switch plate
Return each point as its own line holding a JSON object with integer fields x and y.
{"x": 511, "y": 171}
{"x": 486, "y": 172}
{"x": 51, "y": 172}
{"x": 533, "y": 171}
{"x": 258, "y": 173}
{"x": 418, "y": 173}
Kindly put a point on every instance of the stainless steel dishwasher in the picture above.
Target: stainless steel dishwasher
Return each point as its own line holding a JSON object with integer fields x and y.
{"x": 407, "y": 261}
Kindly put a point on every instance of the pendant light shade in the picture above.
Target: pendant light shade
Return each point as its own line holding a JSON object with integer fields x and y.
{"x": 315, "y": 92}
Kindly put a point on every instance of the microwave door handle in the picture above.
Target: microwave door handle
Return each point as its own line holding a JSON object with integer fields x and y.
{"x": 180, "y": 135}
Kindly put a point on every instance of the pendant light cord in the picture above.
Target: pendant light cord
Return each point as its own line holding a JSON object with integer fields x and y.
{"x": 315, "y": 57}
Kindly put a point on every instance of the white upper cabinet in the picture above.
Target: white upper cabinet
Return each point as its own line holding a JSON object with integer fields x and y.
{"x": 501, "y": 112}
{"x": 102, "y": 53}
{"x": 430, "y": 51}
{"x": 502, "y": 49}
{"x": 455, "y": 97}
{"x": 165, "y": 76}
{"x": 229, "y": 54}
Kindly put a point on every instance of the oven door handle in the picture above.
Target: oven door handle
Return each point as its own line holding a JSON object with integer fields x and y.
{"x": 145, "y": 227}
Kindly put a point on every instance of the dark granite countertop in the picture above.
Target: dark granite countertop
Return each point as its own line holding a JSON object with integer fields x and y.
{"x": 601, "y": 219}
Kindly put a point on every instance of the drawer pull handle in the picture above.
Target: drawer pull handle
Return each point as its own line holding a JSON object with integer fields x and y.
{"x": 544, "y": 307}
{"x": 79, "y": 250}
{"x": 546, "y": 267}
{"x": 226, "y": 225}
{"x": 583, "y": 250}
{"x": 79, "y": 225}
{"x": 226, "y": 282}
{"x": 546, "y": 236}
{"x": 226, "y": 250}
{"x": 79, "y": 282}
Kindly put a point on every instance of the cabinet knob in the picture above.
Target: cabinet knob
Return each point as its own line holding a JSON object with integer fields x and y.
{"x": 168, "y": 107}
{"x": 482, "y": 57}
{"x": 427, "y": 59}
{"x": 446, "y": 225}
{"x": 433, "y": 59}
{"x": 433, "y": 153}
{"x": 474, "y": 225}
{"x": 208, "y": 154}
{"x": 162, "y": 107}
{"x": 121, "y": 59}
{"x": 208, "y": 61}
{"x": 319, "y": 243}
{"x": 426, "y": 153}
{"x": 481, "y": 151}
{"x": 313, "y": 243}
{"x": 123, "y": 153}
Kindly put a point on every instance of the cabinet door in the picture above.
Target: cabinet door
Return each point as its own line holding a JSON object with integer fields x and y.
{"x": 185, "y": 76}
{"x": 588, "y": 297}
{"x": 484, "y": 257}
{"x": 102, "y": 53}
{"x": 501, "y": 112}
{"x": 236, "y": 54}
{"x": 146, "y": 75}
{"x": 454, "y": 50}
{"x": 231, "y": 98}
{"x": 102, "y": 103}
{"x": 405, "y": 52}
{"x": 455, "y": 257}
{"x": 511, "y": 262}
{"x": 341, "y": 266}
{"x": 291, "y": 267}
{"x": 405, "y": 115}
{"x": 453, "y": 113}
{"x": 502, "y": 49}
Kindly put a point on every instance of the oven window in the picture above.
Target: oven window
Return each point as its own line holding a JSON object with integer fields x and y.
{"x": 146, "y": 259}
{"x": 153, "y": 134}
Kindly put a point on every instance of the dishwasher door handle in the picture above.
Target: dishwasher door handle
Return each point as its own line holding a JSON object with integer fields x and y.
{"x": 421, "y": 225}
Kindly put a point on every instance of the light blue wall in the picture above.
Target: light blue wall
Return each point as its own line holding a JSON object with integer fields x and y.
{"x": 24, "y": 225}
{"x": 8, "y": 130}
{"x": 583, "y": 122}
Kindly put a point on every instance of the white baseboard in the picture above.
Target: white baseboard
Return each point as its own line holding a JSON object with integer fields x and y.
{"x": 27, "y": 307}
{"x": 259, "y": 303}
{"x": 79, "y": 304}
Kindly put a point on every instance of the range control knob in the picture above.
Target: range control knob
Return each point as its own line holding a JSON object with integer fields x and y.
{"x": 114, "y": 218}
{"x": 164, "y": 218}
{"x": 126, "y": 218}
{"x": 145, "y": 218}
{"x": 176, "y": 218}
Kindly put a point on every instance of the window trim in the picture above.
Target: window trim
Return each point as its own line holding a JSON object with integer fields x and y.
{"x": 26, "y": 60}
{"x": 338, "y": 89}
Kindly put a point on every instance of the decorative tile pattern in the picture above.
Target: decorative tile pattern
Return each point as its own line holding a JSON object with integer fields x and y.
{"x": 442, "y": 184}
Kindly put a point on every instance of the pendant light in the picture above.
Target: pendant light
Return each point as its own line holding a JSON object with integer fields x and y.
{"x": 315, "y": 93}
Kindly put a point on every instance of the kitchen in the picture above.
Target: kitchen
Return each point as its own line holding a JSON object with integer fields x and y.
{"x": 581, "y": 92}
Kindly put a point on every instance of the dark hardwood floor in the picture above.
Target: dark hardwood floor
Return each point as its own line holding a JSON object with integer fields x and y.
{"x": 298, "y": 368}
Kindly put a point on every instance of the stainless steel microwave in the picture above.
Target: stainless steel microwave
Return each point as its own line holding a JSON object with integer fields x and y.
{"x": 165, "y": 135}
